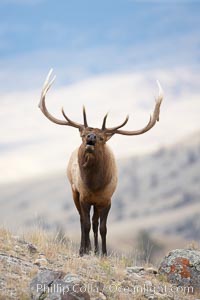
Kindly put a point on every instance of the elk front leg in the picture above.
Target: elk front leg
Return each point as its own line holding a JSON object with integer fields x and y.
{"x": 95, "y": 225}
{"x": 85, "y": 228}
{"x": 103, "y": 228}
{"x": 76, "y": 197}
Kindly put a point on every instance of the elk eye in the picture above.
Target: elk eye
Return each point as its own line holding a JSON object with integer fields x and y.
{"x": 101, "y": 138}
{"x": 83, "y": 135}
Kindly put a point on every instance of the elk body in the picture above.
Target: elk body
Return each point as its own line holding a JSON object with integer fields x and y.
{"x": 92, "y": 170}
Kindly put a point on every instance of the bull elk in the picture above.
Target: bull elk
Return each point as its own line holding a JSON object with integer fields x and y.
{"x": 92, "y": 170}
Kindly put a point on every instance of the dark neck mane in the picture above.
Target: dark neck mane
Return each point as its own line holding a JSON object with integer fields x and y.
{"x": 94, "y": 168}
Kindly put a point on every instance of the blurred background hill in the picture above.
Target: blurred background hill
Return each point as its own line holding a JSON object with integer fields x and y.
{"x": 157, "y": 193}
{"x": 107, "y": 55}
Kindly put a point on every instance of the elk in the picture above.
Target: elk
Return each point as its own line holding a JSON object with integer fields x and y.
{"x": 92, "y": 170}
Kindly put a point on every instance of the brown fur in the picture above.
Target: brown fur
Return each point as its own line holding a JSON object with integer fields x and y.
{"x": 94, "y": 168}
{"x": 93, "y": 177}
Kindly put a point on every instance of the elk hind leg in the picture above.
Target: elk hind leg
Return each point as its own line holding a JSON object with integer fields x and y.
{"x": 95, "y": 225}
{"x": 103, "y": 227}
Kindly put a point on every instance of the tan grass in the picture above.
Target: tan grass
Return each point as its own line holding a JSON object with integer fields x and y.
{"x": 62, "y": 254}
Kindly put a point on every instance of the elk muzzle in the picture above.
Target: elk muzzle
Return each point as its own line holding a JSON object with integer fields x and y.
{"x": 90, "y": 142}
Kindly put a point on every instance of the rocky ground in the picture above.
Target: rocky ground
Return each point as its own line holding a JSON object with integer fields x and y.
{"x": 44, "y": 257}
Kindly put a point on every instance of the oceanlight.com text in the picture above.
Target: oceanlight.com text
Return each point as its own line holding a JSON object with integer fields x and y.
{"x": 114, "y": 288}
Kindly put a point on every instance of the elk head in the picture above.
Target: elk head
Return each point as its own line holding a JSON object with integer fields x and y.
{"x": 91, "y": 137}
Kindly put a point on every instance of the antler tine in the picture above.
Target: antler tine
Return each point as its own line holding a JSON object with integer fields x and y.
{"x": 153, "y": 118}
{"x": 85, "y": 117}
{"x": 42, "y": 105}
{"x": 160, "y": 96}
{"x": 46, "y": 86}
{"x": 104, "y": 122}
{"x": 113, "y": 129}
{"x": 70, "y": 122}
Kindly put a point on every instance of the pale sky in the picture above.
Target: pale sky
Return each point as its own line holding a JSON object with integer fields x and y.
{"x": 106, "y": 55}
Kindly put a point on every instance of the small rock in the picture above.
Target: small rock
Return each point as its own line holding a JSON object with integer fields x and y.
{"x": 72, "y": 278}
{"x": 41, "y": 261}
{"x": 163, "y": 296}
{"x": 17, "y": 248}
{"x": 152, "y": 297}
{"x": 31, "y": 248}
{"x": 102, "y": 296}
{"x": 134, "y": 269}
{"x": 151, "y": 270}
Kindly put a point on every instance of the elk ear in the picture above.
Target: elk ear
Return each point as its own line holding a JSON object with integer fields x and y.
{"x": 81, "y": 132}
{"x": 108, "y": 136}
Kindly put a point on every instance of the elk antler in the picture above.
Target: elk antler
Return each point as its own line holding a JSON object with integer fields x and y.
{"x": 47, "y": 84}
{"x": 153, "y": 118}
{"x": 113, "y": 128}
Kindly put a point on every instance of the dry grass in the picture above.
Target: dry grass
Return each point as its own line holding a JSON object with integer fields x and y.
{"x": 62, "y": 254}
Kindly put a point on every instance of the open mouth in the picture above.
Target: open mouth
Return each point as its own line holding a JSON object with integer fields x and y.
{"x": 90, "y": 146}
{"x": 90, "y": 143}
